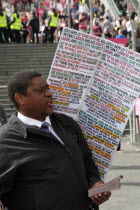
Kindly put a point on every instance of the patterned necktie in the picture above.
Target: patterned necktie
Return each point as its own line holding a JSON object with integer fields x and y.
{"x": 45, "y": 127}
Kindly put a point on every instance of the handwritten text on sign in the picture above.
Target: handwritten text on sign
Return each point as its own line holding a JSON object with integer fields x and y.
{"x": 96, "y": 82}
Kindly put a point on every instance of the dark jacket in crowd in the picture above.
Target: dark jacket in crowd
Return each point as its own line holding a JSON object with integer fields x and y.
{"x": 34, "y": 23}
{"x": 38, "y": 172}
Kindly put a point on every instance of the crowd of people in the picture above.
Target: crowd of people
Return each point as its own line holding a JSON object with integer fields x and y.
{"x": 31, "y": 21}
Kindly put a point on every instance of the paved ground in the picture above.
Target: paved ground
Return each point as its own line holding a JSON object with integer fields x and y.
{"x": 126, "y": 163}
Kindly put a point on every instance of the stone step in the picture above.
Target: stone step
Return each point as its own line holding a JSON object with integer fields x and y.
{"x": 26, "y": 53}
{"x": 8, "y": 106}
{"x": 3, "y": 96}
{"x": 21, "y": 52}
{"x": 28, "y": 64}
{"x": 8, "y": 111}
{"x": 21, "y": 48}
{"x": 5, "y": 101}
{"x": 43, "y": 71}
{"x": 27, "y": 59}
{"x": 9, "y": 71}
{"x": 24, "y": 46}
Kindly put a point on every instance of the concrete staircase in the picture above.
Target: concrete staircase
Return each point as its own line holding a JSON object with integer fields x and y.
{"x": 20, "y": 57}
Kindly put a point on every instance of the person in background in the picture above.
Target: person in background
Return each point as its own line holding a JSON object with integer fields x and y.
{"x": 46, "y": 32}
{"x": 20, "y": 6}
{"x": 15, "y": 25}
{"x": 118, "y": 22}
{"x": 83, "y": 22}
{"x": 97, "y": 30}
{"x": 34, "y": 23}
{"x": 59, "y": 7}
{"x": 45, "y": 162}
{"x": 3, "y": 118}
{"x": 62, "y": 24}
{"x": 108, "y": 15}
{"x": 3, "y": 26}
{"x": 83, "y": 8}
{"x": 123, "y": 25}
{"x": 129, "y": 29}
{"x": 120, "y": 34}
{"x": 5, "y": 4}
{"x": 24, "y": 31}
{"x": 28, "y": 7}
{"x": 53, "y": 23}
{"x": 107, "y": 27}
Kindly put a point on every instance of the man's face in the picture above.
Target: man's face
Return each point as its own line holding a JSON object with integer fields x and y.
{"x": 38, "y": 102}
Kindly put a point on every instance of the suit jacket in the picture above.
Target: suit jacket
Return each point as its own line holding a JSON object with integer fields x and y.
{"x": 37, "y": 172}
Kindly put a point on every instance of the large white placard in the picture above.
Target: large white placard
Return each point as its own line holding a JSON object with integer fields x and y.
{"x": 96, "y": 82}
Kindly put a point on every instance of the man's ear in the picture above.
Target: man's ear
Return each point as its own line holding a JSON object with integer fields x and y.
{"x": 19, "y": 98}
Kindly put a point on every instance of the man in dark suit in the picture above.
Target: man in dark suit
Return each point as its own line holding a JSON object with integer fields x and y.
{"x": 45, "y": 163}
{"x": 3, "y": 118}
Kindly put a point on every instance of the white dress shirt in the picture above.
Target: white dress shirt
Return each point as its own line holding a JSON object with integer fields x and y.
{"x": 33, "y": 122}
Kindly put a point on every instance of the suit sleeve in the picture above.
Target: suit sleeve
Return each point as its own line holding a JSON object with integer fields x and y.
{"x": 7, "y": 175}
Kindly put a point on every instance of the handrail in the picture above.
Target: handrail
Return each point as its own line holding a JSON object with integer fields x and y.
{"x": 110, "y": 4}
{"x": 135, "y": 4}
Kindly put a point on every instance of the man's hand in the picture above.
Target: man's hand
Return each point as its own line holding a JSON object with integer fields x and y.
{"x": 101, "y": 197}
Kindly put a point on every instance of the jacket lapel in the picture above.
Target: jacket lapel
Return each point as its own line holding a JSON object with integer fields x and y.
{"x": 38, "y": 131}
{"x": 65, "y": 136}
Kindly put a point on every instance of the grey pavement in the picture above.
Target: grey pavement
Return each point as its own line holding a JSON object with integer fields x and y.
{"x": 126, "y": 163}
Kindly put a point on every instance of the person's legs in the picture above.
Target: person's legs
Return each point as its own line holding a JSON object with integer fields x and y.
{"x": 24, "y": 36}
{"x": 46, "y": 35}
{"x": 18, "y": 36}
{"x": 37, "y": 38}
{"x": 52, "y": 30}
{"x": 5, "y": 32}
{"x": 45, "y": 39}
{"x": 12, "y": 36}
{"x": 108, "y": 35}
{"x": 119, "y": 147}
{"x": 33, "y": 37}
{"x": 129, "y": 35}
{"x": 1, "y": 39}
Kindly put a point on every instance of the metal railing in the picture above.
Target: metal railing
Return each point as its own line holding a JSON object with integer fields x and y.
{"x": 110, "y": 4}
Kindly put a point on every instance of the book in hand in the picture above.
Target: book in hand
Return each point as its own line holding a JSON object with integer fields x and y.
{"x": 114, "y": 184}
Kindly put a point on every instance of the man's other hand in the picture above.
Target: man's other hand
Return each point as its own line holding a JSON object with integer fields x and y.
{"x": 100, "y": 197}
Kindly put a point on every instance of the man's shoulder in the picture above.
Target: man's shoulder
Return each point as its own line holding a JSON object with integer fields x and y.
{"x": 67, "y": 122}
{"x": 3, "y": 131}
{"x": 9, "y": 127}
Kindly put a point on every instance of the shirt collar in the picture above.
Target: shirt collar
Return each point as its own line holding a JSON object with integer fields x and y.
{"x": 32, "y": 122}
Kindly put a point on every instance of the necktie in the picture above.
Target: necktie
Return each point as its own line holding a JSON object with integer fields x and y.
{"x": 45, "y": 127}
